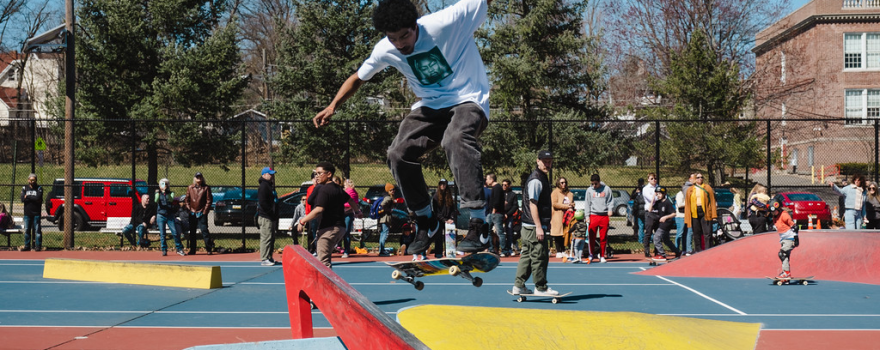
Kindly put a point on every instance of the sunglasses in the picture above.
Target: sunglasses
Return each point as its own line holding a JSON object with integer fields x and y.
{"x": 699, "y": 177}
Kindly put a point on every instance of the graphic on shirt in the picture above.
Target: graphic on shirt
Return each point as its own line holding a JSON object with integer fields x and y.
{"x": 429, "y": 67}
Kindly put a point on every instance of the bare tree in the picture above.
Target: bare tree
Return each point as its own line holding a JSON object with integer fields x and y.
{"x": 262, "y": 25}
{"x": 8, "y": 9}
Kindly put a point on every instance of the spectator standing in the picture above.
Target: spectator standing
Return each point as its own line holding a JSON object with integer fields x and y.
{"x": 664, "y": 211}
{"x": 638, "y": 210}
{"x": 683, "y": 235}
{"x": 578, "y": 231}
{"x": 350, "y": 212}
{"x": 496, "y": 215}
{"x": 313, "y": 225}
{"x": 445, "y": 211}
{"x": 386, "y": 219}
{"x": 166, "y": 211}
{"x": 198, "y": 201}
{"x": 329, "y": 204}
{"x": 537, "y": 210}
{"x": 854, "y": 198}
{"x": 648, "y": 196}
{"x": 299, "y": 213}
{"x": 563, "y": 201}
{"x": 440, "y": 59}
{"x": 143, "y": 215}
{"x": 32, "y": 198}
{"x": 736, "y": 208}
{"x": 599, "y": 202}
{"x": 700, "y": 210}
{"x": 758, "y": 209}
{"x": 511, "y": 207}
{"x": 873, "y": 207}
{"x": 267, "y": 215}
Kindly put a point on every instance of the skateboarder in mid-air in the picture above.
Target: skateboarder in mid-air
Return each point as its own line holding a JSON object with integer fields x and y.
{"x": 439, "y": 58}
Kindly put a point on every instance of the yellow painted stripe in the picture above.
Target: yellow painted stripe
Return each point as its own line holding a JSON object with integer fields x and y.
{"x": 460, "y": 327}
{"x": 184, "y": 276}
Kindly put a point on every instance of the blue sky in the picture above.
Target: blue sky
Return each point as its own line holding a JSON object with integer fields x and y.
{"x": 796, "y": 4}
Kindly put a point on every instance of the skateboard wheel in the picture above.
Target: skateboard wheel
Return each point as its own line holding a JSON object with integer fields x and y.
{"x": 395, "y": 275}
{"x": 520, "y": 299}
{"x": 478, "y": 282}
{"x": 555, "y": 300}
{"x": 419, "y": 285}
{"x": 779, "y": 283}
{"x": 805, "y": 283}
{"x": 454, "y": 270}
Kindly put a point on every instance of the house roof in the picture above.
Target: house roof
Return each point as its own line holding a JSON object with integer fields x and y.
{"x": 6, "y": 58}
{"x": 813, "y": 13}
{"x": 8, "y": 96}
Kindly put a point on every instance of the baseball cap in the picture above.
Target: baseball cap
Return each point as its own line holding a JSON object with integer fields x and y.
{"x": 199, "y": 174}
{"x": 443, "y": 181}
{"x": 267, "y": 170}
{"x": 544, "y": 154}
{"x": 660, "y": 189}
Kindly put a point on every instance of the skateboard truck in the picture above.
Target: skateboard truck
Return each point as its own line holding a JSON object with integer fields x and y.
{"x": 466, "y": 274}
{"x": 396, "y": 274}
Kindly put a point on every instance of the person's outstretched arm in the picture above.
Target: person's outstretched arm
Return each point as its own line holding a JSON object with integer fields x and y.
{"x": 348, "y": 88}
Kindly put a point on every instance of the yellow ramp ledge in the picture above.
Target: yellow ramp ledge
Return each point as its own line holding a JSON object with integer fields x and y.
{"x": 461, "y": 327}
{"x": 183, "y": 276}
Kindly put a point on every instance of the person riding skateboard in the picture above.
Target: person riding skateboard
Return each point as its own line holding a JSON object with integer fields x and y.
{"x": 535, "y": 221}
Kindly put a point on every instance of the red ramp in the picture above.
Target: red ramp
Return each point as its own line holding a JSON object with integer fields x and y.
{"x": 833, "y": 255}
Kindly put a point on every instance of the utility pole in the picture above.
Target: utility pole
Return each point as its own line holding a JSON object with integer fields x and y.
{"x": 70, "y": 91}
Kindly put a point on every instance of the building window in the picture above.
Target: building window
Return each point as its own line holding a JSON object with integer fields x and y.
{"x": 861, "y": 106}
{"x": 861, "y": 51}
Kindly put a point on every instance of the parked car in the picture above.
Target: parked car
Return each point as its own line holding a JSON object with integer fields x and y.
{"x": 94, "y": 200}
{"x": 621, "y": 197}
{"x": 723, "y": 197}
{"x": 229, "y": 210}
{"x": 377, "y": 192}
{"x": 219, "y": 192}
{"x": 805, "y": 204}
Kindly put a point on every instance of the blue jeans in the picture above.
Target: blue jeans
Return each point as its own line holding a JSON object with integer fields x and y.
{"x": 683, "y": 236}
{"x": 496, "y": 220}
{"x": 32, "y": 226}
{"x": 129, "y": 229}
{"x": 383, "y": 235}
{"x": 349, "y": 225}
{"x": 162, "y": 220}
{"x": 508, "y": 244}
{"x": 852, "y": 217}
{"x": 641, "y": 222}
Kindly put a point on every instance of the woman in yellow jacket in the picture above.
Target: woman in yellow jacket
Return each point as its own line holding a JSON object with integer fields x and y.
{"x": 563, "y": 200}
{"x": 699, "y": 211}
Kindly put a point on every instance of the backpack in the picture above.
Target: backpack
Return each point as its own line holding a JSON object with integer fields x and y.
{"x": 376, "y": 209}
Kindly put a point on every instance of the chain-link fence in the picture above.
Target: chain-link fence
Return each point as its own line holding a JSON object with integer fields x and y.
{"x": 787, "y": 155}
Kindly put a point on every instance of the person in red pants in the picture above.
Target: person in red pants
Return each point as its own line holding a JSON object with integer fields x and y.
{"x": 600, "y": 205}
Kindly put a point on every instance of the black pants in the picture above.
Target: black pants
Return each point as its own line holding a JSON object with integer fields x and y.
{"x": 198, "y": 223}
{"x": 758, "y": 222}
{"x": 702, "y": 231}
{"x": 651, "y": 222}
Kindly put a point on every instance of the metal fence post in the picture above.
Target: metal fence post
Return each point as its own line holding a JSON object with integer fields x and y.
{"x": 769, "y": 158}
{"x": 657, "y": 149}
{"x": 876, "y": 142}
{"x": 33, "y": 146}
{"x": 243, "y": 166}
{"x": 346, "y": 167}
{"x": 133, "y": 157}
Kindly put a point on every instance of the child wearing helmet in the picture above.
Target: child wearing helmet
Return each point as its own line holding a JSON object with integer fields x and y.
{"x": 785, "y": 226}
{"x": 664, "y": 210}
{"x": 578, "y": 231}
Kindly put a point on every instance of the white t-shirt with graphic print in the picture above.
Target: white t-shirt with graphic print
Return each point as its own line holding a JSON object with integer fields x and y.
{"x": 445, "y": 68}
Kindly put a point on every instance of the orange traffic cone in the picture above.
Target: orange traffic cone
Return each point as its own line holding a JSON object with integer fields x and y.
{"x": 818, "y": 224}
{"x": 809, "y": 222}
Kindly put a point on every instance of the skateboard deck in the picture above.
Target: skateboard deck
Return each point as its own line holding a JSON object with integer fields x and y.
{"x": 655, "y": 262}
{"x": 792, "y": 280}
{"x": 462, "y": 267}
{"x": 522, "y": 297}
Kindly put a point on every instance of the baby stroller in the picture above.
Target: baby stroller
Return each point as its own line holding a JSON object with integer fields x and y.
{"x": 728, "y": 227}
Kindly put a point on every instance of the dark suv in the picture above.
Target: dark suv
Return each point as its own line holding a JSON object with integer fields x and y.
{"x": 94, "y": 200}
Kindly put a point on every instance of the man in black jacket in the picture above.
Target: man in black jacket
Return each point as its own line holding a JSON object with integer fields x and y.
{"x": 536, "y": 221}
{"x": 508, "y": 241}
{"x": 495, "y": 211}
{"x": 267, "y": 218}
{"x": 143, "y": 215}
{"x": 32, "y": 197}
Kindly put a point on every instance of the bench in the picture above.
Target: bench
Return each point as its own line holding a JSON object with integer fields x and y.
{"x": 18, "y": 227}
{"x": 115, "y": 226}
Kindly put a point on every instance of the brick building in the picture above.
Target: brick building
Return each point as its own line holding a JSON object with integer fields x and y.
{"x": 821, "y": 62}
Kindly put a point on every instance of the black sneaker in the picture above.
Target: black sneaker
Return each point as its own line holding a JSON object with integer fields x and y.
{"x": 478, "y": 232}
{"x": 426, "y": 227}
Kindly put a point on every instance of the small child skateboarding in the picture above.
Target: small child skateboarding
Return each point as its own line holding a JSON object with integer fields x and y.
{"x": 578, "y": 232}
{"x": 785, "y": 226}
